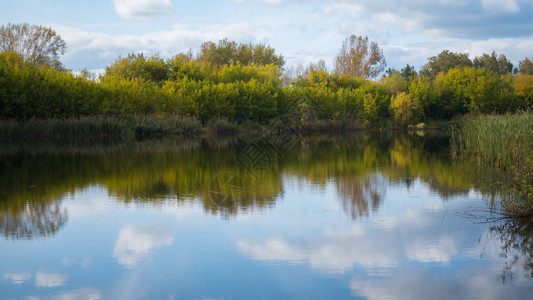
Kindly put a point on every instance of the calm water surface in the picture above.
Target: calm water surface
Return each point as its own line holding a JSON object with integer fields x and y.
{"x": 371, "y": 217}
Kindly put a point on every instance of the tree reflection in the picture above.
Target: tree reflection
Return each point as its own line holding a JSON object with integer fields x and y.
{"x": 36, "y": 219}
{"x": 360, "y": 166}
{"x": 229, "y": 193}
{"x": 360, "y": 195}
{"x": 516, "y": 238}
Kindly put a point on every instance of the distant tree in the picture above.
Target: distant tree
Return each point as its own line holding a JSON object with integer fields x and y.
{"x": 37, "y": 44}
{"x": 525, "y": 66}
{"x": 152, "y": 68}
{"x": 293, "y": 73}
{"x": 498, "y": 64}
{"x": 359, "y": 57}
{"x": 314, "y": 67}
{"x": 89, "y": 75}
{"x": 445, "y": 61}
{"x": 183, "y": 58}
{"x": 394, "y": 82}
{"x": 228, "y": 52}
{"x": 408, "y": 72}
{"x": 390, "y": 71}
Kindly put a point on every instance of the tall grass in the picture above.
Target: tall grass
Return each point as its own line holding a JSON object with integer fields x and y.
{"x": 221, "y": 126}
{"x": 504, "y": 144}
{"x": 503, "y": 140}
{"x": 107, "y": 128}
{"x": 99, "y": 128}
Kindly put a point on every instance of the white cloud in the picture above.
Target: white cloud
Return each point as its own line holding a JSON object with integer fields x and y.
{"x": 413, "y": 22}
{"x": 416, "y": 54}
{"x": 363, "y": 29}
{"x": 352, "y": 9}
{"x": 18, "y": 278}
{"x": 509, "y": 6}
{"x": 515, "y": 48}
{"x": 91, "y": 201}
{"x": 136, "y": 242}
{"x": 474, "y": 20}
{"x": 453, "y": 2}
{"x": 469, "y": 283}
{"x": 81, "y": 294}
{"x": 337, "y": 254}
{"x": 142, "y": 9}
{"x": 50, "y": 279}
{"x": 430, "y": 251}
{"x": 272, "y": 2}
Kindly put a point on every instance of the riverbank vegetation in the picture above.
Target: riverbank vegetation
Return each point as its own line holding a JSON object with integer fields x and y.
{"x": 246, "y": 83}
{"x": 503, "y": 146}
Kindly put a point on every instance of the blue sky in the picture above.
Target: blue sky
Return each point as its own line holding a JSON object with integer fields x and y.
{"x": 303, "y": 31}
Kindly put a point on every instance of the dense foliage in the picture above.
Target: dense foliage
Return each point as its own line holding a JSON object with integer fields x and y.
{"x": 229, "y": 52}
{"x": 250, "y": 86}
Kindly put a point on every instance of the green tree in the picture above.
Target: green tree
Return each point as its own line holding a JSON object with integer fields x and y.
{"x": 525, "y": 66}
{"x": 228, "y": 52}
{"x": 360, "y": 58}
{"x": 496, "y": 63}
{"x": 37, "y": 44}
{"x": 408, "y": 72}
{"x": 471, "y": 90}
{"x": 390, "y": 72}
{"x": 445, "y": 61}
{"x": 422, "y": 92}
{"x": 395, "y": 83}
{"x": 136, "y": 66}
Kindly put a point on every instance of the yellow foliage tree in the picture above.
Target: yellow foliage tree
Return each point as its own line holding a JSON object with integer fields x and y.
{"x": 402, "y": 108}
{"x": 523, "y": 86}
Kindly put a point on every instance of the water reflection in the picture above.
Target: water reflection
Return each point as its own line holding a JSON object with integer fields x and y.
{"x": 18, "y": 278}
{"x": 360, "y": 195}
{"x": 376, "y": 249}
{"x": 35, "y": 219}
{"x": 50, "y": 279}
{"x": 516, "y": 237}
{"x": 135, "y": 242}
{"x": 31, "y": 184}
{"x": 374, "y": 210}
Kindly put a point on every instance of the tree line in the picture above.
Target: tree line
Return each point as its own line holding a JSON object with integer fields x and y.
{"x": 239, "y": 81}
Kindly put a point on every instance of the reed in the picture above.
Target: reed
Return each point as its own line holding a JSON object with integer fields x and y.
{"x": 504, "y": 144}
{"x": 99, "y": 128}
{"x": 221, "y": 127}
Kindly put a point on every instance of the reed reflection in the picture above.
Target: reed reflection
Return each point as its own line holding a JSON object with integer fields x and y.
{"x": 516, "y": 236}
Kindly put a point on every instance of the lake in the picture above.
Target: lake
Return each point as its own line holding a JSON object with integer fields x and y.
{"x": 365, "y": 216}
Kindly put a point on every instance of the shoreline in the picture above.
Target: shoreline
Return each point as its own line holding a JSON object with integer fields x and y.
{"x": 123, "y": 129}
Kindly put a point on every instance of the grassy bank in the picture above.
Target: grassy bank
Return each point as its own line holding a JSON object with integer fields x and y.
{"x": 98, "y": 128}
{"x": 504, "y": 145}
{"x": 116, "y": 129}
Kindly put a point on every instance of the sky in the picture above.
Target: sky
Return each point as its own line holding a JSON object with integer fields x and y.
{"x": 303, "y": 31}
